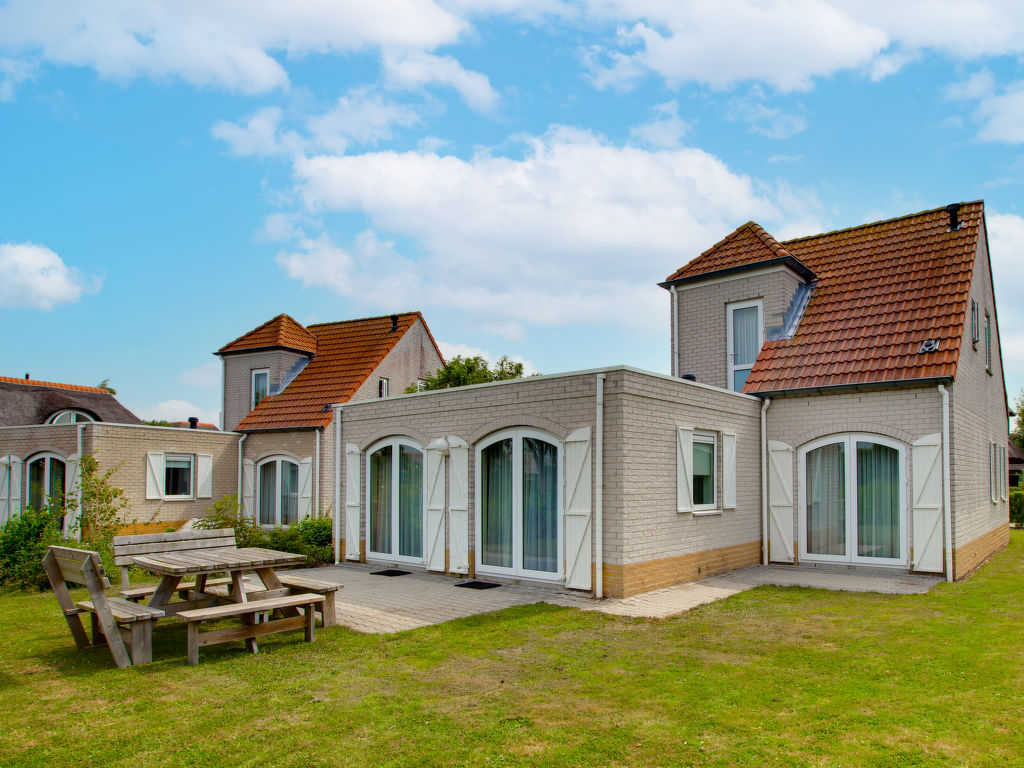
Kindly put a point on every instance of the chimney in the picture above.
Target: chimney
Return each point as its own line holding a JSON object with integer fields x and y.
{"x": 27, "y": 377}
{"x": 394, "y": 323}
{"x": 193, "y": 422}
{"x": 954, "y": 220}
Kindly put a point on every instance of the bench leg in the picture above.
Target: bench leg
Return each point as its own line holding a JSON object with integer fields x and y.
{"x": 310, "y": 623}
{"x": 330, "y": 611}
{"x": 142, "y": 642}
{"x": 193, "y": 643}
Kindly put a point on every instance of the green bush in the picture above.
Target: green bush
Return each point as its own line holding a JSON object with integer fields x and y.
{"x": 23, "y": 542}
{"x": 227, "y": 513}
{"x": 1017, "y": 507}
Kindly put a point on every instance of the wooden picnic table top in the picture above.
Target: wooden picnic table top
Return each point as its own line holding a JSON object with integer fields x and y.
{"x": 206, "y": 561}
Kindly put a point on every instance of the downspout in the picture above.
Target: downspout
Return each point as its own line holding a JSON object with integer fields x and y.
{"x": 337, "y": 483}
{"x": 764, "y": 480}
{"x": 316, "y": 475}
{"x": 599, "y": 491}
{"x": 947, "y": 511}
{"x": 78, "y": 490}
{"x": 241, "y": 470}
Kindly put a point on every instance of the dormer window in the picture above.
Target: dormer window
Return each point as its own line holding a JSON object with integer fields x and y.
{"x": 260, "y": 385}
{"x": 382, "y": 388}
{"x": 70, "y": 416}
{"x": 745, "y": 332}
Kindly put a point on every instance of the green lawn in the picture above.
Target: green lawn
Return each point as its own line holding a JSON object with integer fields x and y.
{"x": 789, "y": 677}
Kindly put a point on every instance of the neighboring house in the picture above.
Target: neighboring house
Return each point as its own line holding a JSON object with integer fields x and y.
{"x": 835, "y": 400}
{"x": 1016, "y": 461}
{"x": 280, "y": 381}
{"x": 169, "y": 475}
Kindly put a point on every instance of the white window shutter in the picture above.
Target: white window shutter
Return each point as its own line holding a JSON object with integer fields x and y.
{"x": 154, "y": 475}
{"x": 684, "y": 469}
{"x": 728, "y": 471}
{"x": 15, "y": 487}
{"x": 434, "y": 503}
{"x": 925, "y": 455}
{"x": 578, "y": 510}
{"x": 780, "y": 502}
{"x": 204, "y": 476}
{"x": 72, "y": 499}
{"x": 5, "y": 490}
{"x": 992, "y": 471}
{"x": 1004, "y": 472}
{"x": 458, "y": 505}
{"x": 352, "y": 502}
{"x": 305, "y": 488}
{"x": 249, "y": 488}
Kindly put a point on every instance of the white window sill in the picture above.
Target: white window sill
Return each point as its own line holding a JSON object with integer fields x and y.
{"x": 706, "y": 512}
{"x": 178, "y": 498}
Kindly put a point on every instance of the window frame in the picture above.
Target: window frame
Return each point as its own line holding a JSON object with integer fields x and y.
{"x": 47, "y": 457}
{"x": 253, "y": 402}
{"x": 382, "y": 387}
{"x": 516, "y": 571}
{"x": 705, "y": 437}
{"x": 988, "y": 342}
{"x": 731, "y": 366}
{"x": 191, "y": 477}
{"x": 975, "y": 323}
{"x": 395, "y": 444}
{"x": 850, "y": 439}
{"x": 79, "y": 417}
{"x": 277, "y": 459}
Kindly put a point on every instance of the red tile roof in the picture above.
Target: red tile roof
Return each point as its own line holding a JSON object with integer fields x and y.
{"x": 51, "y": 385}
{"x": 881, "y": 290}
{"x": 346, "y": 355}
{"x": 281, "y": 331}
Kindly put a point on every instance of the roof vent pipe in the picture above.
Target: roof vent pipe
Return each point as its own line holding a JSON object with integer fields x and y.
{"x": 193, "y": 422}
{"x": 954, "y": 219}
{"x": 27, "y": 377}
{"x": 394, "y": 323}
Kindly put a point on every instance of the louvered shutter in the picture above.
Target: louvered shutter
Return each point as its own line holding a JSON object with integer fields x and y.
{"x": 72, "y": 499}
{"x": 249, "y": 488}
{"x": 992, "y": 471}
{"x": 684, "y": 469}
{"x": 578, "y": 510}
{"x": 728, "y": 471}
{"x": 204, "y": 476}
{"x": 5, "y": 490}
{"x": 305, "y": 488}
{"x": 434, "y": 494}
{"x": 458, "y": 505}
{"x": 154, "y": 475}
{"x": 352, "y": 502}
{"x": 927, "y": 507}
{"x": 780, "y": 502}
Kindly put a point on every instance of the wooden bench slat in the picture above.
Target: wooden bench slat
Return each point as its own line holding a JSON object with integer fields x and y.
{"x": 124, "y": 611}
{"x": 136, "y": 593}
{"x": 194, "y": 534}
{"x": 313, "y": 585}
{"x": 124, "y": 553}
{"x": 254, "y": 606}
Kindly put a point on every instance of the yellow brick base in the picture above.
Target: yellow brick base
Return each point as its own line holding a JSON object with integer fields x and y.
{"x": 160, "y": 526}
{"x": 634, "y": 578}
{"x": 970, "y": 556}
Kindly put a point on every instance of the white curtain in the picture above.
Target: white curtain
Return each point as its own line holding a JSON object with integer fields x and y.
{"x": 826, "y": 500}
{"x": 878, "y": 507}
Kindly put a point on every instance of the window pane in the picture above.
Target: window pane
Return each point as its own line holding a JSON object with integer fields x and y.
{"x": 744, "y": 336}
{"x": 289, "y": 492}
{"x": 259, "y": 387}
{"x": 410, "y": 502}
{"x": 268, "y": 492}
{"x": 540, "y": 505}
{"x": 826, "y": 500}
{"x": 56, "y": 485}
{"x": 177, "y": 477}
{"x": 64, "y": 418}
{"x": 703, "y": 473}
{"x": 878, "y": 503}
{"x": 496, "y": 500}
{"x": 739, "y": 379}
{"x": 380, "y": 500}
{"x": 36, "y": 486}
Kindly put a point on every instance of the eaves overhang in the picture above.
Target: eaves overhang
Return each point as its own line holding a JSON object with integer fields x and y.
{"x": 868, "y": 386}
{"x": 269, "y": 348}
{"x": 782, "y": 261}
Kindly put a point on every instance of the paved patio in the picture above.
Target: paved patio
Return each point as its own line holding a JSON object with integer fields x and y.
{"x": 382, "y": 604}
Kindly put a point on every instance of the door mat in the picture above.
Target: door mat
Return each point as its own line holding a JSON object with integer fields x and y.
{"x": 390, "y": 572}
{"x": 478, "y": 584}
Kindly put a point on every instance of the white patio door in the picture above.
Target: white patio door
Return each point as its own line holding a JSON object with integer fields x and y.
{"x": 394, "y": 516}
{"x": 519, "y": 502}
{"x": 853, "y": 506}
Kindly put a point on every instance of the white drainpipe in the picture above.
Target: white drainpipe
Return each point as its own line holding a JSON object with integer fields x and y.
{"x": 764, "y": 480}
{"x": 947, "y": 500}
{"x": 599, "y": 491}
{"x": 316, "y": 476}
{"x": 241, "y": 471}
{"x": 337, "y": 483}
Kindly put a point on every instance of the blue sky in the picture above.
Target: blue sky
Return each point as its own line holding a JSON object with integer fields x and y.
{"x": 522, "y": 171}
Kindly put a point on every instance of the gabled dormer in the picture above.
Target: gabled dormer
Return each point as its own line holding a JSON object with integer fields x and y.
{"x": 743, "y": 291}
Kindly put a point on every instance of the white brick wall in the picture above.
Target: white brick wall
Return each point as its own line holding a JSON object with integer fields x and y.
{"x": 238, "y": 368}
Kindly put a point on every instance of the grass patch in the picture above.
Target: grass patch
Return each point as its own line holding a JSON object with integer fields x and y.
{"x": 785, "y": 676}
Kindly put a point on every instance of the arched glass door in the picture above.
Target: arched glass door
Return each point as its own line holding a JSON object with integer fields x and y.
{"x": 394, "y": 519}
{"x": 46, "y": 475}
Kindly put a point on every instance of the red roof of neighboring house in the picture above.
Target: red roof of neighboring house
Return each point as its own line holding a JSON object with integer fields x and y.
{"x": 281, "y": 331}
{"x": 881, "y": 289}
{"x": 346, "y": 355}
{"x": 51, "y": 385}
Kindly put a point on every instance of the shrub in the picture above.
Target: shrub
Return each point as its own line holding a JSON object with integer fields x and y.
{"x": 1017, "y": 507}
{"x": 226, "y": 512}
{"x": 23, "y": 542}
{"x": 312, "y": 536}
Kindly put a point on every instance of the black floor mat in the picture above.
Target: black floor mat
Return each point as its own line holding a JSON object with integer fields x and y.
{"x": 478, "y": 584}
{"x": 390, "y": 572}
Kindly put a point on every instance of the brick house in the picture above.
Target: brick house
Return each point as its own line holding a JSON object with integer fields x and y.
{"x": 835, "y": 400}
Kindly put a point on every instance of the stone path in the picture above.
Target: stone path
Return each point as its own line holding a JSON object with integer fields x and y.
{"x": 382, "y": 604}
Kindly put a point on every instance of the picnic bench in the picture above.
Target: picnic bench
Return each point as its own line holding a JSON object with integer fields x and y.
{"x": 115, "y": 621}
{"x": 127, "y": 548}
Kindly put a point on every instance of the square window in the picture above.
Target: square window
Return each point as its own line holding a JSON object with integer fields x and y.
{"x": 704, "y": 461}
{"x": 178, "y": 476}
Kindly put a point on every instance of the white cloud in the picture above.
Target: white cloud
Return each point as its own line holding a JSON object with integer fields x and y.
{"x": 257, "y": 135}
{"x": 361, "y": 116}
{"x": 976, "y": 86}
{"x": 1006, "y": 242}
{"x": 665, "y": 129}
{"x": 206, "y": 375}
{"x": 767, "y": 121}
{"x": 13, "y": 72}
{"x": 229, "y": 44}
{"x": 576, "y": 231}
{"x": 176, "y": 410}
{"x": 37, "y": 278}
{"x": 418, "y": 69}
{"x": 999, "y": 111}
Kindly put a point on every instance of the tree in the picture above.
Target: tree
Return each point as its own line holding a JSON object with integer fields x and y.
{"x": 462, "y": 371}
{"x": 105, "y": 386}
{"x": 1017, "y": 433}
